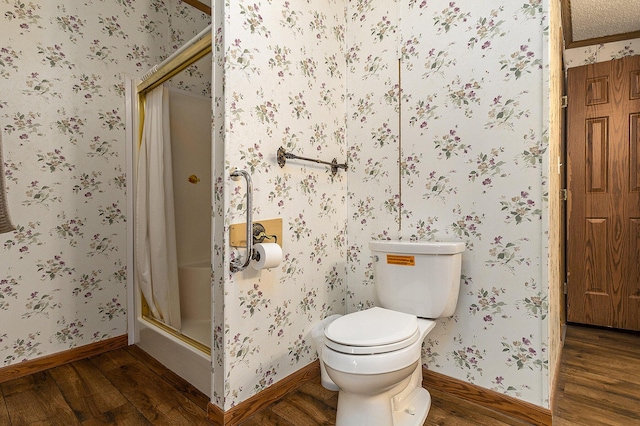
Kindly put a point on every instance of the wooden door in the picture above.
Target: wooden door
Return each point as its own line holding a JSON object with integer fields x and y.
{"x": 603, "y": 179}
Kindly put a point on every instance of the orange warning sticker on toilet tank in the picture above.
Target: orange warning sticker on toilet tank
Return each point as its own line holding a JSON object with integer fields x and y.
{"x": 395, "y": 259}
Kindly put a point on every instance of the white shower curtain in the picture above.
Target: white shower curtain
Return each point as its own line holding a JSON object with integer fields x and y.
{"x": 155, "y": 234}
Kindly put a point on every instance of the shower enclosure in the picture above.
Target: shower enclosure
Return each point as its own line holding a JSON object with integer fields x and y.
{"x": 170, "y": 314}
{"x": 190, "y": 119}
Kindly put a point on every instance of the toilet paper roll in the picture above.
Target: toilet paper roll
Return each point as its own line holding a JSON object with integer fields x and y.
{"x": 266, "y": 255}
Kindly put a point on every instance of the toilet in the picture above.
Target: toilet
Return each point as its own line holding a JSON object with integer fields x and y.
{"x": 374, "y": 356}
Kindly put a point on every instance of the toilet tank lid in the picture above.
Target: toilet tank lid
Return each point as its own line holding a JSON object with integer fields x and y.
{"x": 372, "y": 327}
{"x": 417, "y": 247}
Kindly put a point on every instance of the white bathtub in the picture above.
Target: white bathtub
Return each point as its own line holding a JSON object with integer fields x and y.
{"x": 195, "y": 301}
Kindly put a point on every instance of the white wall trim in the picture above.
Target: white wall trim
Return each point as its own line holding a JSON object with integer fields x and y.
{"x": 131, "y": 126}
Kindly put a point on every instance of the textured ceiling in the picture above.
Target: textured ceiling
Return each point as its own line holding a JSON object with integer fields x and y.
{"x": 600, "y": 18}
{"x": 590, "y": 22}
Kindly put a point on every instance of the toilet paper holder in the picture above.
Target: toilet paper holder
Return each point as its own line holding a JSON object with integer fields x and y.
{"x": 260, "y": 234}
{"x": 262, "y": 231}
{"x": 255, "y": 232}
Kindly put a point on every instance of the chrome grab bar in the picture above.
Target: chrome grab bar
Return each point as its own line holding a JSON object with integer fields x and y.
{"x": 282, "y": 156}
{"x": 236, "y": 264}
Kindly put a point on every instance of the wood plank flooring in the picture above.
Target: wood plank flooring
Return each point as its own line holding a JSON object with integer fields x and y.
{"x": 120, "y": 387}
{"x": 598, "y": 385}
{"x": 312, "y": 405}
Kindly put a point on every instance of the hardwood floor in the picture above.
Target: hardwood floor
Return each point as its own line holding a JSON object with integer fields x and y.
{"x": 312, "y": 405}
{"x": 598, "y": 385}
{"x": 599, "y": 382}
{"x": 120, "y": 387}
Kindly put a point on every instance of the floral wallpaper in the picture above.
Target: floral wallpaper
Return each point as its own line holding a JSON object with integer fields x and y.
{"x": 601, "y": 52}
{"x": 284, "y": 86}
{"x": 62, "y": 68}
{"x": 440, "y": 109}
{"x": 447, "y": 140}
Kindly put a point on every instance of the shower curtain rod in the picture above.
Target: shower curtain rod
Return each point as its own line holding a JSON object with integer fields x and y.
{"x": 182, "y": 48}
{"x": 186, "y": 55}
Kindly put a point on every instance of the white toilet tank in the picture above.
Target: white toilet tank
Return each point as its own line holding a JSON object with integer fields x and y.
{"x": 418, "y": 277}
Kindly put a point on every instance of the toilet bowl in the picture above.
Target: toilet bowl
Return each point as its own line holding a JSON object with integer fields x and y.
{"x": 373, "y": 357}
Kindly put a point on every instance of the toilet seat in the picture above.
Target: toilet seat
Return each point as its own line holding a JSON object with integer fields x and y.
{"x": 372, "y": 331}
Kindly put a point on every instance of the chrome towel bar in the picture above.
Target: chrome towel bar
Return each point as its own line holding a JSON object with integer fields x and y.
{"x": 283, "y": 155}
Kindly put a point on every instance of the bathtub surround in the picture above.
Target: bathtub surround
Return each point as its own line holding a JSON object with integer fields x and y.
{"x": 195, "y": 305}
{"x": 191, "y": 157}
